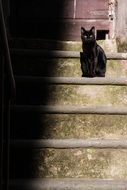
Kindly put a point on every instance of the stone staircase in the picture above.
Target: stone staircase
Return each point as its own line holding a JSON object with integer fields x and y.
{"x": 67, "y": 132}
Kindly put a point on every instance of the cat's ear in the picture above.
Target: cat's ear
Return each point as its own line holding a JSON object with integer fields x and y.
{"x": 93, "y": 29}
{"x": 82, "y": 30}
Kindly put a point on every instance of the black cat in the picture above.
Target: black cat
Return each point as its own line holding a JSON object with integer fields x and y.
{"x": 93, "y": 59}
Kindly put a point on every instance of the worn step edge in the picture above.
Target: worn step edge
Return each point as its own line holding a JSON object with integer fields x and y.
{"x": 69, "y": 183}
{"x": 63, "y": 54}
{"x": 74, "y": 80}
{"x": 71, "y": 143}
{"x": 71, "y": 109}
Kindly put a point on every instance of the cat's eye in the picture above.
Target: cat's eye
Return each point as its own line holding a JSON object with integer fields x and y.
{"x": 85, "y": 36}
{"x": 91, "y": 36}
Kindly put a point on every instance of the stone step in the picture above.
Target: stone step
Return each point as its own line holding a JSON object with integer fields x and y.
{"x": 68, "y": 183}
{"x": 109, "y": 45}
{"x": 71, "y": 90}
{"x": 70, "y": 94}
{"x": 88, "y": 163}
{"x": 74, "y": 80}
{"x": 61, "y": 126}
{"x": 71, "y": 143}
{"x": 62, "y": 54}
{"x": 71, "y": 109}
{"x": 39, "y": 66}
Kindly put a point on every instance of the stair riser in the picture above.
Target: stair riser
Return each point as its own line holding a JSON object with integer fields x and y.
{"x": 70, "y": 94}
{"x": 108, "y": 46}
{"x": 58, "y": 126}
{"x": 61, "y": 67}
{"x": 68, "y": 183}
{"x": 86, "y": 163}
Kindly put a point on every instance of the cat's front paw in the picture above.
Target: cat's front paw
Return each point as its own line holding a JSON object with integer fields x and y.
{"x": 85, "y": 75}
{"x": 101, "y": 75}
{"x": 88, "y": 76}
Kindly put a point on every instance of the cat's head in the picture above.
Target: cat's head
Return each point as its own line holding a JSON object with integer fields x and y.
{"x": 88, "y": 35}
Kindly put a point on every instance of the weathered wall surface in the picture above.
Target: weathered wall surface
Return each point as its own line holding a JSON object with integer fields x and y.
{"x": 57, "y": 19}
{"x": 121, "y": 24}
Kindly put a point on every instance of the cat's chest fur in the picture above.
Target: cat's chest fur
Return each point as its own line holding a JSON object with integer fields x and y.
{"x": 90, "y": 58}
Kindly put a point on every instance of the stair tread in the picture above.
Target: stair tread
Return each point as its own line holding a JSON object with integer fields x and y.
{"x": 71, "y": 143}
{"x": 70, "y": 183}
{"x": 75, "y": 80}
{"x": 62, "y": 54}
{"x": 71, "y": 109}
{"x": 20, "y": 42}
